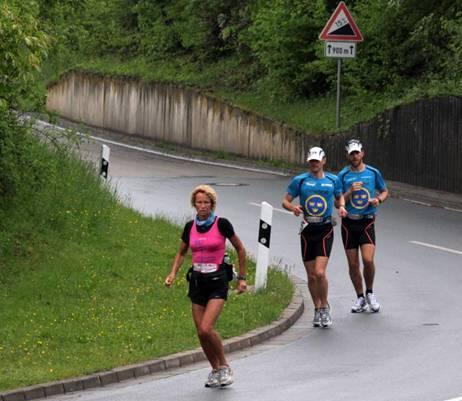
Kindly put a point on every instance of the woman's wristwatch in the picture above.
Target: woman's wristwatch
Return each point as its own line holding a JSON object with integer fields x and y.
{"x": 241, "y": 277}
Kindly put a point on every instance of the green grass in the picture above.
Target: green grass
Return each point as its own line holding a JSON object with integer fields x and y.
{"x": 81, "y": 282}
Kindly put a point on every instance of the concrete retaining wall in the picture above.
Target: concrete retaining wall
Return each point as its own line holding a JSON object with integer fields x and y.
{"x": 178, "y": 115}
{"x": 401, "y": 141}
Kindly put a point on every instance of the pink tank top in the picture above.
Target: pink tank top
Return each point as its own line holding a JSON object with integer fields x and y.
{"x": 209, "y": 247}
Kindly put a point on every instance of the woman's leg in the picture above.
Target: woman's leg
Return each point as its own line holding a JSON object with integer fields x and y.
{"x": 205, "y": 318}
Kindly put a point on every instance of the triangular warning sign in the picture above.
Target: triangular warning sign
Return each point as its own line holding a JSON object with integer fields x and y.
{"x": 341, "y": 26}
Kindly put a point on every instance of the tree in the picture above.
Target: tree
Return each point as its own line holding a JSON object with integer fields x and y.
{"x": 284, "y": 38}
{"x": 23, "y": 47}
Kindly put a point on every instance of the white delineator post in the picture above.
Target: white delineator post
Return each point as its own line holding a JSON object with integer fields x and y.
{"x": 105, "y": 152}
{"x": 264, "y": 235}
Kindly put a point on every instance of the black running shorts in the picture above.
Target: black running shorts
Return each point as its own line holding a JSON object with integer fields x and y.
{"x": 203, "y": 287}
{"x": 358, "y": 232}
{"x": 316, "y": 240}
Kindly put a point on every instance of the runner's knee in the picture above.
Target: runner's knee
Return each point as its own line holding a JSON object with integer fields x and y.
{"x": 368, "y": 263}
{"x": 316, "y": 275}
{"x": 205, "y": 332}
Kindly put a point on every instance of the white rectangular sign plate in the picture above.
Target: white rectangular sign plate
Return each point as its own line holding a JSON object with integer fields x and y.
{"x": 340, "y": 49}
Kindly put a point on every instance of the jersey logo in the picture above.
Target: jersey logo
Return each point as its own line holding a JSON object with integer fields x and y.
{"x": 360, "y": 198}
{"x": 316, "y": 205}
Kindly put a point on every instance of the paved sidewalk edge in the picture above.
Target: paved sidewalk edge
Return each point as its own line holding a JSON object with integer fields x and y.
{"x": 288, "y": 317}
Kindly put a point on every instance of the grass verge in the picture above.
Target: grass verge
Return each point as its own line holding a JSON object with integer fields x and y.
{"x": 81, "y": 282}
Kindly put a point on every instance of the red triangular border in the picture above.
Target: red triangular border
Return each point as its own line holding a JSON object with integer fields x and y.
{"x": 358, "y": 37}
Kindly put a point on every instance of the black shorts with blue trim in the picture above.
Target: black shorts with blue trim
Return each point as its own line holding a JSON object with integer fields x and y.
{"x": 358, "y": 232}
{"x": 316, "y": 240}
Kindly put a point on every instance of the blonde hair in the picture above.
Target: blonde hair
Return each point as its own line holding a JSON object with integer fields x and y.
{"x": 206, "y": 189}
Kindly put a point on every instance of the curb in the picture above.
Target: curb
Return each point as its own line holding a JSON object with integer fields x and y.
{"x": 288, "y": 317}
{"x": 425, "y": 196}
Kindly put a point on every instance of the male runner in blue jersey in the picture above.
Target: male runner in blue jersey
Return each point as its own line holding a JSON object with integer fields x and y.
{"x": 316, "y": 190}
{"x": 363, "y": 189}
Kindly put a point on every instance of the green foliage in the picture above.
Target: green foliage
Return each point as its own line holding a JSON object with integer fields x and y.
{"x": 268, "y": 49}
{"x": 283, "y": 36}
{"x": 205, "y": 28}
{"x": 13, "y": 152}
{"x": 406, "y": 43}
{"x": 23, "y": 47}
{"x": 267, "y": 45}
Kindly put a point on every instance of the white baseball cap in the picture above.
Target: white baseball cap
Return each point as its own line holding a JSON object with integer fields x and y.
{"x": 354, "y": 145}
{"x": 316, "y": 153}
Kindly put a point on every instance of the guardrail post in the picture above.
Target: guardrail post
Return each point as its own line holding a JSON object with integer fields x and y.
{"x": 105, "y": 152}
{"x": 264, "y": 236}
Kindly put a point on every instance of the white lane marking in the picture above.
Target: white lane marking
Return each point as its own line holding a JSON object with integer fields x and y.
{"x": 453, "y": 210}
{"x": 158, "y": 153}
{"x": 274, "y": 208}
{"x": 417, "y": 202}
{"x": 441, "y": 248}
{"x": 455, "y": 399}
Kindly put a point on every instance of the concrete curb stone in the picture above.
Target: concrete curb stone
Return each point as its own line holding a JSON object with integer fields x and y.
{"x": 428, "y": 197}
{"x": 288, "y": 317}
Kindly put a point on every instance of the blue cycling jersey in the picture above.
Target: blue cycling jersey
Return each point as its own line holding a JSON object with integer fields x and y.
{"x": 372, "y": 182}
{"x": 316, "y": 194}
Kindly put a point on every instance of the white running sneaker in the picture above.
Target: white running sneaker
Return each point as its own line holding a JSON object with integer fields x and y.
{"x": 360, "y": 305}
{"x": 214, "y": 379}
{"x": 317, "y": 318}
{"x": 326, "y": 320}
{"x": 372, "y": 301}
{"x": 226, "y": 376}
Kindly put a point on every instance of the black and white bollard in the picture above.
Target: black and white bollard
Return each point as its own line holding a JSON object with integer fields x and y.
{"x": 264, "y": 236}
{"x": 105, "y": 152}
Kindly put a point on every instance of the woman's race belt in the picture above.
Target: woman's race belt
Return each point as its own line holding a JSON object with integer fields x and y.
{"x": 205, "y": 267}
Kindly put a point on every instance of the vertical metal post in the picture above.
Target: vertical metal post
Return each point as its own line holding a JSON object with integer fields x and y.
{"x": 337, "y": 114}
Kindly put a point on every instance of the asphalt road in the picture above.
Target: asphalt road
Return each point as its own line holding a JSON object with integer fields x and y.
{"x": 411, "y": 351}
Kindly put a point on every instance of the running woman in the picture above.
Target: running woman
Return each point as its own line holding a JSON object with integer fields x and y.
{"x": 208, "y": 283}
{"x": 316, "y": 191}
{"x": 364, "y": 189}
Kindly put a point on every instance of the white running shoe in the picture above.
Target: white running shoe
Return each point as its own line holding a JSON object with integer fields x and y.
{"x": 360, "y": 305}
{"x": 214, "y": 379}
{"x": 372, "y": 301}
{"x": 226, "y": 376}
{"x": 326, "y": 320}
{"x": 317, "y": 318}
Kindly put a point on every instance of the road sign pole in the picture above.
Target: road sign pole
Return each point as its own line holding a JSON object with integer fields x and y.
{"x": 337, "y": 114}
{"x": 340, "y": 35}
